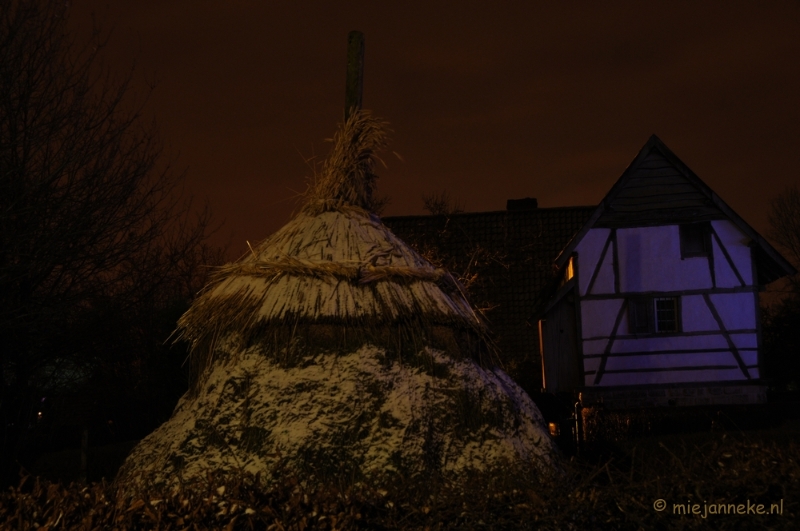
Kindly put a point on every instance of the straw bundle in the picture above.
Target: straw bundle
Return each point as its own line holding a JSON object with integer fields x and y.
{"x": 347, "y": 178}
{"x": 336, "y": 350}
{"x": 335, "y": 263}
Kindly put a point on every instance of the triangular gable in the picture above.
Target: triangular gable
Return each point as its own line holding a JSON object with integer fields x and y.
{"x": 657, "y": 188}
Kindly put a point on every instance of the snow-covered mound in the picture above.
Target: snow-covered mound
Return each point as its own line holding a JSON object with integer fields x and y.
{"x": 344, "y": 414}
{"x": 335, "y": 349}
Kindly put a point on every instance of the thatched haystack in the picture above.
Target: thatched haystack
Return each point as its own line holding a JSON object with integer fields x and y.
{"x": 334, "y": 348}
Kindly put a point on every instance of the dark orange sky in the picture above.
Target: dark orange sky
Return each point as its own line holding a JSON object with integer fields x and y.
{"x": 487, "y": 100}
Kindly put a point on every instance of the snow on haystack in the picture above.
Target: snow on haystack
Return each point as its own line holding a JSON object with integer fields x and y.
{"x": 335, "y": 348}
{"x": 336, "y": 414}
{"x": 321, "y": 266}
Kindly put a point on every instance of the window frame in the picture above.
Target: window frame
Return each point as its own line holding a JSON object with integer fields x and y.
{"x": 646, "y": 304}
{"x": 684, "y": 231}
{"x": 639, "y": 308}
{"x": 676, "y": 314}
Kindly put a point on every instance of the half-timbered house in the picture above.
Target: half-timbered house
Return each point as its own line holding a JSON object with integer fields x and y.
{"x": 506, "y": 258}
{"x": 649, "y": 298}
{"x": 657, "y": 299}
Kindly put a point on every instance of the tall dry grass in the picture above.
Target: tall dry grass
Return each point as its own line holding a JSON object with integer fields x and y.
{"x": 615, "y": 489}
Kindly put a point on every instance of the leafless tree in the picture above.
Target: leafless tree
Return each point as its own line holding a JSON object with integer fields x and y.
{"x": 441, "y": 204}
{"x": 781, "y": 321}
{"x": 89, "y": 215}
{"x": 784, "y": 221}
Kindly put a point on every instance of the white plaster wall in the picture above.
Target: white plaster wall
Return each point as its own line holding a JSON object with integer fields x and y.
{"x": 593, "y": 350}
{"x": 737, "y": 245}
{"x": 591, "y": 364}
{"x": 589, "y": 250}
{"x": 594, "y": 346}
{"x": 695, "y": 314}
{"x": 689, "y": 359}
{"x": 598, "y": 316}
{"x": 725, "y": 277}
{"x": 650, "y": 260}
{"x": 709, "y": 375}
{"x": 658, "y": 343}
{"x": 744, "y": 340}
{"x": 604, "y": 283}
{"x": 737, "y": 310}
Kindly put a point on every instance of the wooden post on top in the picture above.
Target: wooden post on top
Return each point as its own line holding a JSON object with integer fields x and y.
{"x": 355, "y": 73}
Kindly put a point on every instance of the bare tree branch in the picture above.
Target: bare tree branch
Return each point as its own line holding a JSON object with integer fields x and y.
{"x": 784, "y": 221}
{"x": 89, "y": 214}
{"x": 441, "y": 204}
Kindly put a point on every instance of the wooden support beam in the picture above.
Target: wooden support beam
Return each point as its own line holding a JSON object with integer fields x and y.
{"x": 82, "y": 473}
{"x": 354, "y": 90}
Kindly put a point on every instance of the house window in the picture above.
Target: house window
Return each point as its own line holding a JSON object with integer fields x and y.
{"x": 648, "y": 315}
{"x": 666, "y": 314}
{"x": 638, "y": 311}
{"x": 695, "y": 239}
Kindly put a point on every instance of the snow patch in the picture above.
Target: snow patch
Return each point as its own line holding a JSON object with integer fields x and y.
{"x": 358, "y": 410}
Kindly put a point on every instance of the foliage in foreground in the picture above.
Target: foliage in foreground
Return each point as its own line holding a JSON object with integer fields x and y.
{"x": 615, "y": 493}
{"x": 99, "y": 243}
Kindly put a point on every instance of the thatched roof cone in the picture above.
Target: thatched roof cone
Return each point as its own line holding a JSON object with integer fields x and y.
{"x": 335, "y": 342}
{"x": 336, "y": 263}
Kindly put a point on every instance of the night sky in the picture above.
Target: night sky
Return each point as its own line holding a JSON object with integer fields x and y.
{"x": 487, "y": 100}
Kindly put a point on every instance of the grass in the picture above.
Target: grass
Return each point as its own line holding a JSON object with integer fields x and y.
{"x": 613, "y": 486}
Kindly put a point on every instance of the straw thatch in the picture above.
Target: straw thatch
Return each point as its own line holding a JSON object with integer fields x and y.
{"x": 334, "y": 348}
{"x": 335, "y": 263}
{"x": 347, "y": 178}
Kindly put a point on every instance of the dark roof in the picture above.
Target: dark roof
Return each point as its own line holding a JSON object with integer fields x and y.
{"x": 658, "y": 188}
{"x": 517, "y": 253}
{"x": 513, "y": 254}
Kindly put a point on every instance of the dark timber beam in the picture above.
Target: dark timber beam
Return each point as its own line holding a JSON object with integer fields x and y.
{"x": 354, "y": 90}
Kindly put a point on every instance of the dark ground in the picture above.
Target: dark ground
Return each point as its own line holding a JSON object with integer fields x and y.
{"x": 612, "y": 433}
